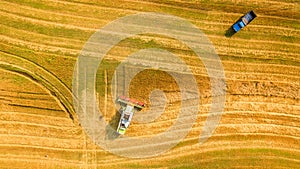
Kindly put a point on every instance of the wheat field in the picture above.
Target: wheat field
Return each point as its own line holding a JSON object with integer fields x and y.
{"x": 40, "y": 44}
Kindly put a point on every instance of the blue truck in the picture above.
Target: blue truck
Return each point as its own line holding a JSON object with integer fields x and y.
{"x": 243, "y": 21}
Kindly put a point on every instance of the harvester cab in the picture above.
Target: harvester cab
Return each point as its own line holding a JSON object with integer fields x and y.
{"x": 127, "y": 110}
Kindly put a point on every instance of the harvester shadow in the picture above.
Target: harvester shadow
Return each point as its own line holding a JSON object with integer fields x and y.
{"x": 229, "y": 32}
{"x": 111, "y": 127}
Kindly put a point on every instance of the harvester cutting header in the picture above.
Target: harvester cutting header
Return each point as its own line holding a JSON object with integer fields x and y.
{"x": 128, "y": 108}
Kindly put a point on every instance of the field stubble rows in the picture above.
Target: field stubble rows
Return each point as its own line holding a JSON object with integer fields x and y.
{"x": 38, "y": 127}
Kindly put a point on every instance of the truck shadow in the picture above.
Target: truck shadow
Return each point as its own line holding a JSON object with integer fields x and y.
{"x": 111, "y": 127}
{"x": 230, "y": 32}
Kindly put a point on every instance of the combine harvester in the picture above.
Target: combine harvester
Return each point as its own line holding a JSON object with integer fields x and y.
{"x": 243, "y": 21}
{"x": 128, "y": 107}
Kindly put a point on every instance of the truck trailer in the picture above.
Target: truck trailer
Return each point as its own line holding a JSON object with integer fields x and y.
{"x": 243, "y": 21}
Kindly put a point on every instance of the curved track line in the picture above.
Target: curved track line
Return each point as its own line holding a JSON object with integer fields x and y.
{"x": 37, "y": 74}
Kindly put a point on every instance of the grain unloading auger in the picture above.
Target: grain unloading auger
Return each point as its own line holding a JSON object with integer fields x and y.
{"x": 128, "y": 108}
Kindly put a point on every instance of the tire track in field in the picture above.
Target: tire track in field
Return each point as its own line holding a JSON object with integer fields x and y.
{"x": 208, "y": 22}
{"x": 238, "y": 39}
{"x": 48, "y": 148}
{"x": 34, "y": 124}
{"x": 31, "y": 97}
{"x": 195, "y": 9}
{"x": 105, "y": 20}
{"x": 260, "y": 54}
{"x": 117, "y": 160}
{"x": 47, "y": 41}
{"x": 249, "y": 127}
{"x": 232, "y": 110}
{"x": 44, "y": 137}
{"x": 35, "y": 116}
{"x": 275, "y": 110}
{"x": 116, "y": 163}
{"x": 42, "y": 77}
{"x": 228, "y": 159}
{"x": 276, "y": 53}
{"x": 261, "y": 157}
{"x": 257, "y": 106}
{"x": 46, "y": 23}
{"x": 226, "y": 145}
{"x": 180, "y": 7}
{"x": 254, "y": 117}
{"x": 109, "y": 8}
{"x": 222, "y": 50}
{"x": 264, "y": 114}
{"x": 289, "y": 115}
{"x": 183, "y": 151}
{"x": 38, "y": 46}
{"x": 257, "y": 81}
{"x": 31, "y": 100}
{"x": 28, "y": 158}
{"x": 19, "y": 8}
{"x": 250, "y": 102}
{"x": 58, "y": 48}
{"x": 256, "y": 68}
{"x": 43, "y": 142}
{"x": 245, "y": 40}
{"x": 39, "y": 130}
